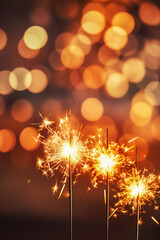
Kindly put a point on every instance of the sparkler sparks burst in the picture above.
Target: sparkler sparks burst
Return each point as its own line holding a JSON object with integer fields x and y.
{"x": 137, "y": 185}
{"x": 106, "y": 160}
{"x": 63, "y": 143}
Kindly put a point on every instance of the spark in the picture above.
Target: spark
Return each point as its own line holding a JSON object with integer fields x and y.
{"x": 28, "y": 181}
{"x": 113, "y": 213}
{"x": 155, "y": 220}
{"x": 137, "y": 184}
{"x": 133, "y": 139}
{"x": 61, "y": 191}
{"x": 140, "y": 222}
{"x": 106, "y": 160}
{"x": 61, "y": 143}
{"x": 55, "y": 188}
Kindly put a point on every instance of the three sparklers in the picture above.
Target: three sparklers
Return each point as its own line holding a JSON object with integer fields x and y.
{"x": 66, "y": 151}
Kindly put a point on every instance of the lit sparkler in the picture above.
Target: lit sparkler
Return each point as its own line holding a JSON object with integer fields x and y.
{"x": 107, "y": 160}
{"x": 65, "y": 151}
{"x": 137, "y": 184}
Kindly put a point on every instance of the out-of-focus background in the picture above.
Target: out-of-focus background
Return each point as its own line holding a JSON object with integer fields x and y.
{"x": 101, "y": 59}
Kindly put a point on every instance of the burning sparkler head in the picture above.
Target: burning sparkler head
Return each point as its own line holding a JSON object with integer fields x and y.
{"x": 63, "y": 145}
{"x": 137, "y": 185}
{"x": 106, "y": 161}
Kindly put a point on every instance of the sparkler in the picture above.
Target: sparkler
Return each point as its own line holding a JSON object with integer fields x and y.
{"x": 136, "y": 189}
{"x": 65, "y": 151}
{"x": 107, "y": 160}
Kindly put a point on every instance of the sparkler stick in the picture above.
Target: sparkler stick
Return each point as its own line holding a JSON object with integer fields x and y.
{"x": 70, "y": 188}
{"x": 107, "y": 196}
{"x": 137, "y": 198}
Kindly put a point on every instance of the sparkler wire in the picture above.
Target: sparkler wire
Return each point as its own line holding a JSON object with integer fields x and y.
{"x": 107, "y": 195}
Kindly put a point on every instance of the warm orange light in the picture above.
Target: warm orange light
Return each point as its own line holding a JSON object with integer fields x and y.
{"x": 134, "y": 70}
{"x": 155, "y": 128}
{"x": 112, "y": 8}
{"x": 39, "y": 81}
{"x": 107, "y": 56}
{"x": 93, "y": 22}
{"x": 22, "y": 110}
{"x": 3, "y": 39}
{"x": 94, "y": 76}
{"x": 28, "y": 138}
{"x": 7, "y": 140}
{"x": 105, "y": 162}
{"x": 115, "y": 38}
{"x": 149, "y": 13}
{"x": 20, "y": 79}
{"x": 137, "y": 190}
{"x": 117, "y": 85}
{"x": 72, "y": 57}
{"x": 35, "y": 37}
{"x": 124, "y": 20}
{"x": 25, "y": 51}
{"x": 92, "y": 109}
{"x": 5, "y": 87}
{"x": 82, "y": 41}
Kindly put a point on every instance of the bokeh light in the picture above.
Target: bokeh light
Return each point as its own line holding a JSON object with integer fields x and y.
{"x": 115, "y": 38}
{"x": 72, "y": 57}
{"x": 5, "y": 87}
{"x": 93, "y": 22}
{"x": 149, "y": 13}
{"x": 35, "y": 37}
{"x": 108, "y": 56}
{"x": 28, "y": 138}
{"x": 39, "y": 81}
{"x": 112, "y": 8}
{"x": 20, "y": 79}
{"x": 22, "y": 110}
{"x": 7, "y": 140}
{"x": 3, "y": 39}
{"x": 25, "y": 51}
{"x": 55, "y": 60}
{"x": 134, "y": 70}
{"x": 94, "y": 76}
{"x": 155, "y": 128}
{"x": 116, "y": 85}
{"x": 92, "y": 109}
{"x": 124, "y": 20}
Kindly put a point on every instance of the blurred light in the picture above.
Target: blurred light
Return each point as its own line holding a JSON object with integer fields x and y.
{"x": 117, "y": 85}
{"x": 134, "y": 70}
{"x": 155, "y": 128}
{"x": 115, "y": 38}
{"x": 20, "y": 79}
{"x": 55, "y": 60}
{"x": 51, "y": 107}
{"x": 67, "y": 9}
{"x": 35, "y": 37}
{"x": 94, "y": 76}
{"x": 107, "y": 56}
{"x": 5, "y": 87}
{"x": 22, "y": 110}
{"x": 82, "y": 41}
{"x": 154, "y": 88}
{"x": 63, "y": 40}
{"x": 141, "y": 113}
{"x": 25, "y": 51}
{"x": 76, "y": 79}
{"x": 92, "y": 109}
{"x": 112, "y": 8}
{"x": 82, "y": 92}
{"x": 20, "y": 158}
{"x": 124, "y": 20}
{"x": 7, "y": 140}
{"x": 144, "y": 96}
{"x": 93, "y": 6}
{"x": 3, "y": 39}
{"x": 2, "y": 106}
{"x": 40, "y": 16}
{"x": 152, "y": 48}
{"x": 72, "y": 57}
{"x": 39, "y": 81}
{"x": 103, "y": 123}
{"x": 149, "y": 13}
{"x": 93, "y": 22}
{"x": 28, "y": 138}
{"x": 131, "y": 47}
